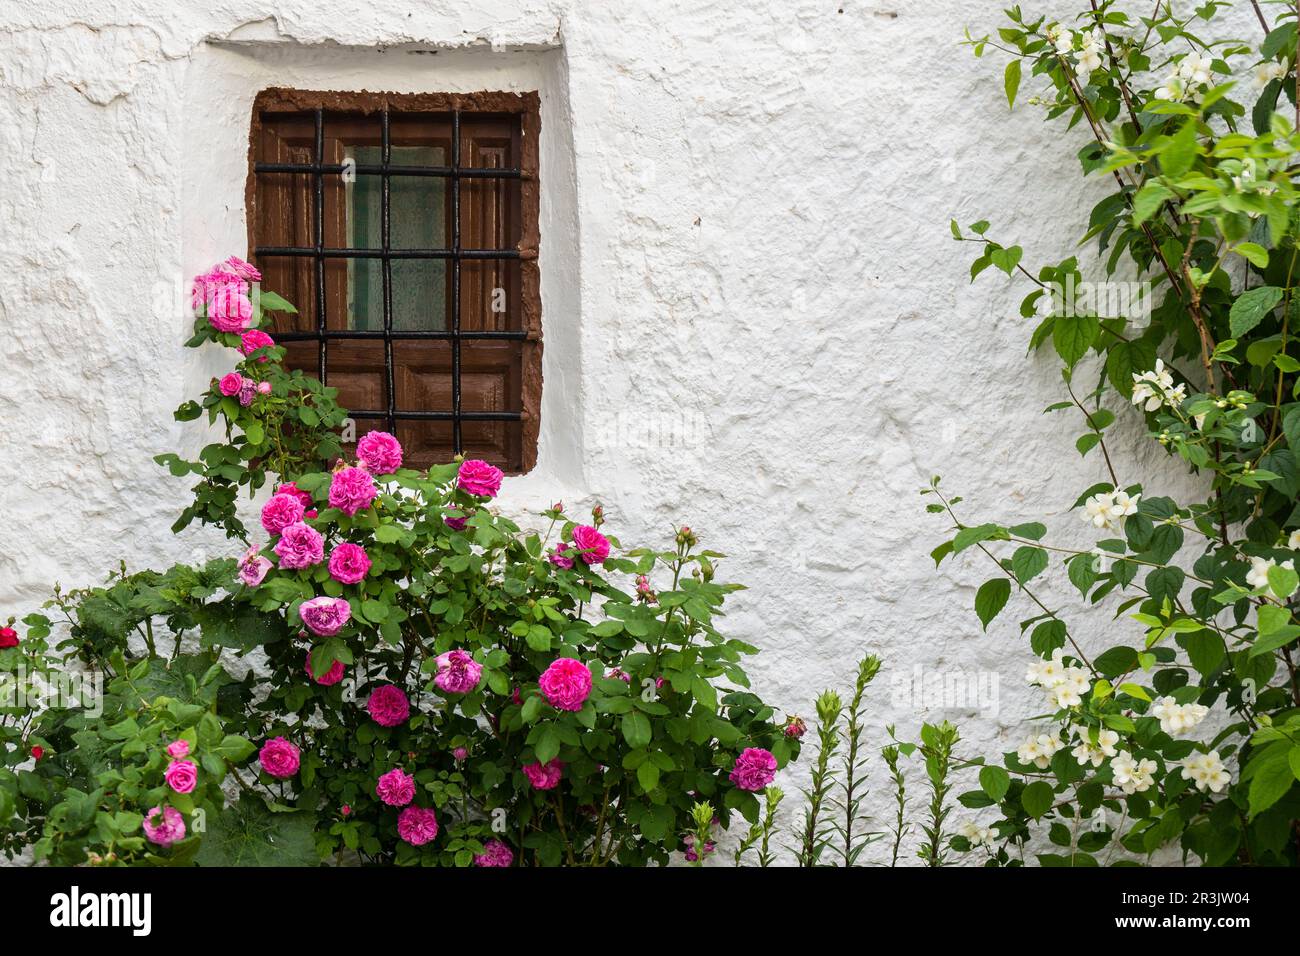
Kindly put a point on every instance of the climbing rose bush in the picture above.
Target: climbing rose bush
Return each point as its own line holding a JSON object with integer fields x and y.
{"x": 431, "y": 682}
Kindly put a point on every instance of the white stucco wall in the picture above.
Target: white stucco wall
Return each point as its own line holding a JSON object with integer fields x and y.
{"x": 755, "y": 319}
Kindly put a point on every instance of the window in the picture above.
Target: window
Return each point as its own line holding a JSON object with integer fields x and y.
{"x": 404, "y": 228}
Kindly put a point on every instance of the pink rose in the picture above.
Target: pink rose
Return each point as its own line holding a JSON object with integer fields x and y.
{"x": 330, "y": 677}
{"x": 282, "y": 510}
{"x": 178, "y": 748}
{"x": 458, "y": 673}
{"x": 263, "y": 388}
{"x": 380, "y": 452}
{"x": 289, "y": 488}
{"x": 255, "y": 339}
{"x": 593, "y": 544}
{"x": 795, "y": 727}
{"x": 279, "y": 758}
{"x": 479, "y": 478}
{"x": 253, "y": 567}
{"x": 396, "y": 788}
{"x": 165, "y": 831}
{"x": 351, "y": 490}
{"x": 558, "y": 558}
{"x": 755, "y": 768}
{"x": 300, "y": 546}
{"x": 230, "y": 384}
{"x": 566, "y": 683}
{"x": 495, "y": 853}
{"x": 388, "y": 705}
{"x": 181, "y": 775}
{"x": 245, "y": 270}
{"x": 325, "y": 616}
{"x": 460, "y": 753}
{"x": 544, "y": 776}
{"x": 349, "y": 563}
{"x": 417, "y": 825}
{"x": 229, "y": 308}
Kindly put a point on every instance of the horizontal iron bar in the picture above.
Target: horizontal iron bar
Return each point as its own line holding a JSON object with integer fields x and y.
{"x": 369, "y": 169}
{"x": 440, "y": 416}
{"x": 396, "y": 335}
{"x": 309, "y": 252}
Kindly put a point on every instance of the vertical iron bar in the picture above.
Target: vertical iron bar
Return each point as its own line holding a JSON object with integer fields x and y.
{"x": 320, "y": 240}
{"x": 388, "y": 276}
{"x": 455, "y": 281}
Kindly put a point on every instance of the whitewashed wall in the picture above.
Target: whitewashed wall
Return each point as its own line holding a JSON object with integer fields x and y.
{"x": 755, "y": 319}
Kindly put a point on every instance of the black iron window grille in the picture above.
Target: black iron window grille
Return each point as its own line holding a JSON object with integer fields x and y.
{"x": 454, "y": 254}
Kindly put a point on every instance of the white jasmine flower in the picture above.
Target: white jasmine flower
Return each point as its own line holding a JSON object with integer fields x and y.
{"x": 1069, "y": 692}
{"x": 1091, "y": 41}
{"x": 1195, "y": 68}
{"x": 1039, "y": 750}
{"x": 1047, "y": 673}
{"x": 1122, "y": 505}
{"x": 1064, "y": 42}
{"x": 978, "y": 834}
{"x": 1172, "y": 89}
{"x": 1088, "y": 752}
{"x": 1207, "y": 771}
{"x": 1089, "y": 60}
{"x": 1266, "y": 73}
{"x": 1257, "y": 576}
{"x": 1130, "y": 775}
{"x": 1156, "y": 388}
{"x": 1175, "y": 718}
{"x": 1097, "y": 509}
{"x": 1293, "y": 542}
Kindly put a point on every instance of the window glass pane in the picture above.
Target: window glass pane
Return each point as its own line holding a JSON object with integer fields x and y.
{"x": 417, "y": 220}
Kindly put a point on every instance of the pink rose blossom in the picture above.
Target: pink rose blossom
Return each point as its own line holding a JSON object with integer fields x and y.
{"x": 325, "y": 616}
{"x": 282, "y": 510}
{"x": 253, "y": 567}
{"x": 544, "y": 776}
{"x": 330, "y": 677}
{"x": 289, "y": 488}
{"x": 566, "y": 683}
{"x": 279, "y": 758}
{"x": 245, "y": 270}
{"x": 396, "y": 788}
{"x": 181, "y": 775}
{"x": 558, "y": 558}
{"x": 228, "y": 306}
{"x": 230, "y": 384}
{"x": 349, "y": 563}
{"x": 247, "y": 390}
{"x": 618, "y": 673}
{"x": 263, "y": 388}
{"x": 417, "y": 825}
{"x": 479, "y": 478}
{"x": 167, "y": 830}
{"x": 460, "y": 753}
{"x": 380, "y": 452}
{"x": 388, "y": 705}
{"x": 495, "y": 854}
{"x": 300, "y": 546}
{"x": 458, "y": 673}
{"x": 755, "y": 768}
{"x": 255, "y": 339}
{"x": 178, "y": 748}
{"x": 352, "y": 490}
{"x": 593, "y": 544}
{"x": 795, "y": 727}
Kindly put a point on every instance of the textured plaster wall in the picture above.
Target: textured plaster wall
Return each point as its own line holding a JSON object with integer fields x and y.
{"x": 755, "y": 320}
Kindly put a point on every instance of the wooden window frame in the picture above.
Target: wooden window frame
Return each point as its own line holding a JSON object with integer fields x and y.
{"x": 321, "y": 292}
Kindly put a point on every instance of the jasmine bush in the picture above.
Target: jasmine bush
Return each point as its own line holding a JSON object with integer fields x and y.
{"x": 1194, "y": 137}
